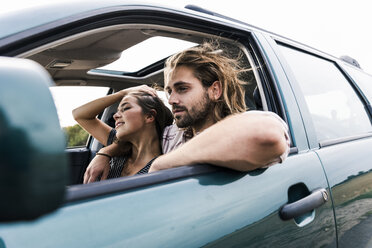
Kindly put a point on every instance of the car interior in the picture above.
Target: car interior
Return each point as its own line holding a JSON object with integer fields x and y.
{"x": 84, "y": 59}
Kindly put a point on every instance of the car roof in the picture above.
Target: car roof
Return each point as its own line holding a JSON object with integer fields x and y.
{"x": 27, "y": 18}
{"x": 33, "y": 17}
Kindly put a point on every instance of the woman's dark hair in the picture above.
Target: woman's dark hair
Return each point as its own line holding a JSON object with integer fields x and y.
{"x": 154, "y": 105}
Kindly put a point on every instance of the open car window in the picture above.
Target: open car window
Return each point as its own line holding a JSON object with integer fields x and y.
{"x": 86, "y": 65}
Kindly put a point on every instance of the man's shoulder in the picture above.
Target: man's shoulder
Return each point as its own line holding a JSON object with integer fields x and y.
{"x": 171, "y": 130}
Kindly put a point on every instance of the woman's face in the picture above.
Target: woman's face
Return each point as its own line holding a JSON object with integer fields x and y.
{"x": 129, "y": 119}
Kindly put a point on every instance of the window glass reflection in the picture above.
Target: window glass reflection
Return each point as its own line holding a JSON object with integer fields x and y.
{"x": 335, "y": 108}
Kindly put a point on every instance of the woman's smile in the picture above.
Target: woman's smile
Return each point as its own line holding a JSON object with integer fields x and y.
{"x": 118, "y": 124}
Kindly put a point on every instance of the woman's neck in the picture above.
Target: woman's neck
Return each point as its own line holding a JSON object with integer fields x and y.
{"x": 145, "y": 146}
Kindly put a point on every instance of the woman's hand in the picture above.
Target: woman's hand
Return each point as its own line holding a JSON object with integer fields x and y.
{"x": 143, "y": 88}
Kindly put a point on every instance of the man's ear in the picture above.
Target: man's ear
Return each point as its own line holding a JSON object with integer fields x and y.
{"x": 150, "y": 117}
{"x": 215, "y": 90}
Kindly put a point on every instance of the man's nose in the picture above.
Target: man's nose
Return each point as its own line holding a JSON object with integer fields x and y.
{"x": 173, "y": 99}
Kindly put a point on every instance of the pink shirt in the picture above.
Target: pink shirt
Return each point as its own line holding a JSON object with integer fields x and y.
{"x": 173, "y": 137}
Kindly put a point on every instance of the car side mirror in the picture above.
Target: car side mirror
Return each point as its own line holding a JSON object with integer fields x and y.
{"x": 33, "y": 164}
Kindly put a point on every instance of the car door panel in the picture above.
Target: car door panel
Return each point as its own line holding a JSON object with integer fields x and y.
{"x": 79, "y": 160}
{"x": 220, "y": 209}
{"x": 351, "y": 181}
{"x": 270, "y": 230}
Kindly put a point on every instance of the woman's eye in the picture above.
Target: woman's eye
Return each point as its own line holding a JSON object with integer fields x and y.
{"x": 180, "y": 89}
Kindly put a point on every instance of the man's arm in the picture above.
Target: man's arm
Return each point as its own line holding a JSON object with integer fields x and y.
{"x": 100, "y": 164}
{"x": 241, "y": 142}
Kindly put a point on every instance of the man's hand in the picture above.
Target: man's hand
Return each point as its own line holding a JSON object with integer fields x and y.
{"x": 99, "y": 166}
{"x": 158, "y": 164}
{"x": 173, "y": 159}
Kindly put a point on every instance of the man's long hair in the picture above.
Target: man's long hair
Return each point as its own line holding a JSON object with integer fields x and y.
{"x": 209, "y": 64}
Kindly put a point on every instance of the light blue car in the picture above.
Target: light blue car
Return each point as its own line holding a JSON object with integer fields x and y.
{"x": 321, "y": 196}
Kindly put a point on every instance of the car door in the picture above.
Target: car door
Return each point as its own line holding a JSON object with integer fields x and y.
{"x": 198, "y": 205}
{"x": 340, "y": 128}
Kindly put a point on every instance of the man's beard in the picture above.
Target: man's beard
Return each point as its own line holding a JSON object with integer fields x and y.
{"x": 197, "y": 114}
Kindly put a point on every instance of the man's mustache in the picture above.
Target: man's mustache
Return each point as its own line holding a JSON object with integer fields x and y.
{"x": 176, "y": 108}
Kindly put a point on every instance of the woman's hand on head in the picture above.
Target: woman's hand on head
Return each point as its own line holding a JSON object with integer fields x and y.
{"x": 143, "y": 88}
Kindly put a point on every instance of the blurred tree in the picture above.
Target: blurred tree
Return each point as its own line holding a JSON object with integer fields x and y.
{"x": 76, "y": 136}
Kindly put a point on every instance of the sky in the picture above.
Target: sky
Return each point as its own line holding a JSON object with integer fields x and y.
{"x": 337, "y": 27}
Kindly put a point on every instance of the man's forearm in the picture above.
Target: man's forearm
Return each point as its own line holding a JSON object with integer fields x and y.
{"x": 111, "y": 150}
{"x": 99, "y": 167}
{"x": 242, "y": 142}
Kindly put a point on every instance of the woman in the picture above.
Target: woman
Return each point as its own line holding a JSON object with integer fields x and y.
{"x": 139, "y": 123}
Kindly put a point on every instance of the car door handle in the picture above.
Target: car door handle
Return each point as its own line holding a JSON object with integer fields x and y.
{"x": 304, "y": 205}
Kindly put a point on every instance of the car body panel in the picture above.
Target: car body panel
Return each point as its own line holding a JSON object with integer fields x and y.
{"x": 346, "y": 162}
{"x": 294, "y": 117}
{"x": 299, "y": 98}
{"x": 351, "y": 181}
{"x": 51, "y": 12}
{"x": 191, "y": 212}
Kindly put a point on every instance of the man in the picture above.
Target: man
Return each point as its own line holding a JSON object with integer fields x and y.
{"x": 207, "y": 100}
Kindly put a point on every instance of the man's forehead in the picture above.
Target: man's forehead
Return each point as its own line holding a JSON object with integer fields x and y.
{"x": 180, "y": 74}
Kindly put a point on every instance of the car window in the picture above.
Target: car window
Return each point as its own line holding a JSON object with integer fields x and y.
{"x": 362, "y": 79}
{"x": 75, "y": 61}
{"x": 335, "y": 108}
{"x": 66, "y": 98}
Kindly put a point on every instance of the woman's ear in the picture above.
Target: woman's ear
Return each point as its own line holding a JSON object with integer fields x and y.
{"x": 215, "y": 90}
{"x": 150, "y": 117}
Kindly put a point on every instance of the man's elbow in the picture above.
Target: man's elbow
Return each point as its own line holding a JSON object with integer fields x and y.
{"x": 270, "y": 142}
{"x": 278, "y": 144}
{"x": 274, "y": 144}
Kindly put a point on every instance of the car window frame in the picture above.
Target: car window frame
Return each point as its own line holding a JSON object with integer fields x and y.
{"x": 308, "y": 121}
